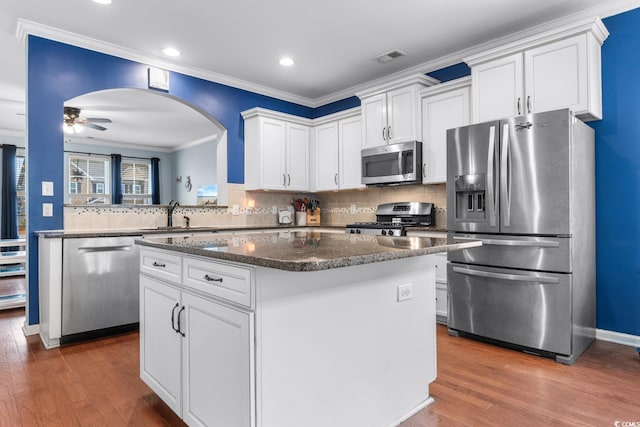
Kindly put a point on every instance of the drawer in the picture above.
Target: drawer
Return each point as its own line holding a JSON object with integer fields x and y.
{"x": 161, "y": 264}
{"x": 226, "y": 281}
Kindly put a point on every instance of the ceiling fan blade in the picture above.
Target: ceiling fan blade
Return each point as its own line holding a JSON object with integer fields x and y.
{"x": 98, "y": 120}
{"x": 92, "y": 126}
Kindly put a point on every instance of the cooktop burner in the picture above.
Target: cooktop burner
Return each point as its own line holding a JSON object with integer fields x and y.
{"x": 394, "y": 218}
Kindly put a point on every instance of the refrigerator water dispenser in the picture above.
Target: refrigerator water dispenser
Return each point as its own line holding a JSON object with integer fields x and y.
{"x": 470, "y": 196}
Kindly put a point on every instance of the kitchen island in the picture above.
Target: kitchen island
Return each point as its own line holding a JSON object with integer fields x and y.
{"x": 289, "y": 329}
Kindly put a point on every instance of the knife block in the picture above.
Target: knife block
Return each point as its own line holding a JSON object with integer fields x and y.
{"x": 313, "y": 217}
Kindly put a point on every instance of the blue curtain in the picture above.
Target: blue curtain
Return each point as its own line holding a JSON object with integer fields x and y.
{"x": 9, "y": 220}
{"x": 155, "y": 180}
{"x": 116, "y": 179}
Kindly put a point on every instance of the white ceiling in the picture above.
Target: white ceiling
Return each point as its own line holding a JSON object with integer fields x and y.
{"x": 239, "y": 42}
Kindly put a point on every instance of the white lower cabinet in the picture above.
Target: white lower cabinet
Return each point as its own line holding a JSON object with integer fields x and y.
{"x": 196, "y": 354}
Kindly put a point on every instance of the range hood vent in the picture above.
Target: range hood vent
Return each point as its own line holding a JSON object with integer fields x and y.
{"x": 383, "y": 58}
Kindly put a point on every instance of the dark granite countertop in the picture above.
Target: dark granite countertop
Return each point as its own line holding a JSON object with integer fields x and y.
{"x": 305, "y": 251}
{"x": 70, "y": 234}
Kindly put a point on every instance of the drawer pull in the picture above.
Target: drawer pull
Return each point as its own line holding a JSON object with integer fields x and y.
{"x": 156, "y": 264}
{"x": 212, "y": 279}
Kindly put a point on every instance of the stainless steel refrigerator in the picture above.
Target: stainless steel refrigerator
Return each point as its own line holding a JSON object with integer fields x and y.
{"x": 524, "y": 186}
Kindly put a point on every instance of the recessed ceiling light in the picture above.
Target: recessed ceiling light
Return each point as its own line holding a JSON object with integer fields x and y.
{"x": 286, "y": 62}
{"x": 102, "y": 1}
{"x": 171, "y": 51}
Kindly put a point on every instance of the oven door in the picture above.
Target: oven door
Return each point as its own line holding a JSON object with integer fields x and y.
{"x": 529, "y": 309}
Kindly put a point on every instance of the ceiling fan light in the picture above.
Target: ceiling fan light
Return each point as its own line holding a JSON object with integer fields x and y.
{"x": 102, "y": 1}
{"x": 286, "y": 62}
{"x": 72, "y": 129}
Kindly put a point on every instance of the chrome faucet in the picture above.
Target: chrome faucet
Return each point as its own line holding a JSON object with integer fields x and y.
{"x": 172, "y": 205}
{"x": 187, "y": 221}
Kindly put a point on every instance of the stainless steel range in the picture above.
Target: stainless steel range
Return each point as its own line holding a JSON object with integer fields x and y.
{"x": 393, "y": 219}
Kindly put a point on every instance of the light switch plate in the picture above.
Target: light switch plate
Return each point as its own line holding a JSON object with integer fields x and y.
{"x": 47, "y": 188}
{"x": 47, "y": 209}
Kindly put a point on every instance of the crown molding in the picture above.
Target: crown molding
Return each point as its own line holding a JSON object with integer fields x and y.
{"x": 603, "y": 10}
{"x": 446, "y": 86}
{"x": 344, "y": 114}
{"x": 26, "y": 27}
{"x": 263, "y": 112}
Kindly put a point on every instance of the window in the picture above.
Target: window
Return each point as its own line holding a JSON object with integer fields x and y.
{"x": 136, "y": 181}
{"x": 88, "y": 178}
{"x": 21, "y": 191}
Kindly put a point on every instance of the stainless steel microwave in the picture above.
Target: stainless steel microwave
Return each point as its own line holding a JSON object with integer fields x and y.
{"x": 392, "y": 164}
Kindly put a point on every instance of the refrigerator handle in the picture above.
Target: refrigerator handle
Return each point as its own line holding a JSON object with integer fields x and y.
{"x": 505, "y": 182}
{"x": 503, "y": 276}
{"x": 491, "y": 190}
{"x": 520, "y": 243}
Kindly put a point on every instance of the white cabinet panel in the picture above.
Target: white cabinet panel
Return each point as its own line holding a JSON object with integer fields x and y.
{"x": 374, "y": 123}
{"x": 497, "y": 88}
{"x": 326, "y": 145}
{"x": 297, "y": 157}
{"x": 390, "y": 112}
{"x": 160, "y": 344}
{"x": 556, "y": 76}
{"x": 549, "y": 71}
{"x": 218, "y": 364}
{"x": 349, "y": 158}
{"x": 441, "y": 110}
{"x": 276, "y": 151}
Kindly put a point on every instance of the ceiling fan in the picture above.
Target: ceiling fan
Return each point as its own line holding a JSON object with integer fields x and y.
{"x": 73, "y": 123}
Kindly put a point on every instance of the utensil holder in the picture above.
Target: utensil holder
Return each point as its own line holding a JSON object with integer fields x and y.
{"x": 301, "y": 218}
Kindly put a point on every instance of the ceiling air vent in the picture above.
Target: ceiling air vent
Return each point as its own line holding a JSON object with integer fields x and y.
{"x": 383, "y": 58}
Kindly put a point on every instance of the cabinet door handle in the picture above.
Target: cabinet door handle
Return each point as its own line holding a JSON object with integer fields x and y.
{"x": 179, "y": 327}
{"x": 518, "y": 106}
{"x": 529, "y": 104}
{"x": 384, "y": 133}
{"x": 424, "y": 170}
{"x": 157, "y": 264}
{"x": 212, "y": 279}
{"x": 173, "y": 314}
{"x": 284, "y": 180}
{"x": 335, "y": 179}
{"x": 288, "y": 179}
{"x": 389, "y": 133}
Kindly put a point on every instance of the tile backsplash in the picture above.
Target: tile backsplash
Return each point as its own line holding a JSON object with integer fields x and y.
{"x": 257, "y": 208}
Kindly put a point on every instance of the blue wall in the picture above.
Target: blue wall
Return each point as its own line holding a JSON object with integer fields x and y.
{"x": 618, "y": 179}
{"x": 58, "y": 72}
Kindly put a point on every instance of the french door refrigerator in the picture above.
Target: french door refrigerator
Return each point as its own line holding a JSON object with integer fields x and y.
{"x": 525, "y": 187}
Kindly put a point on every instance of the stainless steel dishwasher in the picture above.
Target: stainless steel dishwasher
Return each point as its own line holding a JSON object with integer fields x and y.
{"x": 99, "y": 286}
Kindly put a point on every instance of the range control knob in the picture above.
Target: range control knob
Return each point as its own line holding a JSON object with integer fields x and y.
{"x": 352, "y": 231}
{"x": 384, "y": 232}
{"x": 390, "y": 233}
{"x": 358, "y": 231}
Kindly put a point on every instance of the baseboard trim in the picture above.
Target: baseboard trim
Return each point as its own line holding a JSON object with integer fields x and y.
{"x": 618, "y": 337}
{"x": 31, "y": 329}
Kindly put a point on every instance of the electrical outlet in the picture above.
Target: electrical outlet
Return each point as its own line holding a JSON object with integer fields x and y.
{"x": 235, "y": 210}
{"x": 47, "y": 209}
{"x": 353, "y": 209}
{"x": 405, "y": 292}
{"x": 274, "y": 209}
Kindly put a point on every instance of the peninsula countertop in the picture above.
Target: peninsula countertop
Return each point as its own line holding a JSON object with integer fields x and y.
{"x": 305, "y": 250}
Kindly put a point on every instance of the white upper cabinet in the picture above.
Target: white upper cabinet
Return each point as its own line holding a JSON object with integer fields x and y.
{"x": 335, "y": 152}
{"x": 276, "y": 151}
{"x": 556, "y": 69}
{"x": 444, "y": 106}
{"x": 390, "y": 112}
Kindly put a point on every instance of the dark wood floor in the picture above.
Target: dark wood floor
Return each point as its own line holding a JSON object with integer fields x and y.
{"x": 96, "y": 384}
